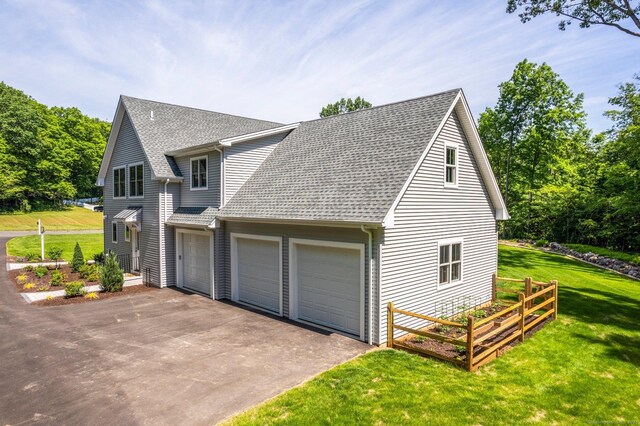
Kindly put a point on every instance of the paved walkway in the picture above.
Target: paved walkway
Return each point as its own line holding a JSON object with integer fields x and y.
{"x": 157, "y": 358}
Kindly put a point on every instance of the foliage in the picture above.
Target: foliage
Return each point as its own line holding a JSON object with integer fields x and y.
{"x": 40, "y": 271}
{"x": 22, "y": 278}
{"x": 78, "y": 258}
{"x": 586, "y": 362}
{"x": 86, "y": 270}
{"x": 612, "y": 13}
{"x": 92, "y": 296}
{"x": 28, "y": 268}
{"x": 613, "y": 254}
{"x": 57, "y": 278}
{"x": 90, "y": 243}
{"x": 29, "y": 286}
{"x": 33, "y": 256}
{"x": 74, "y": 288}
{"x": 43, "y": 287}
{"x": 111, "y": 275}
{"x": 99, "y": 258}
{"x": 55, "y": 254}
{"x": 64, "y": 219}
{"x": 46, "y": 154}
{"x": 344, "y": 105}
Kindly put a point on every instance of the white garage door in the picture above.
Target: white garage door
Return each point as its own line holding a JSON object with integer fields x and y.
{"x": 196, "y": 262}
{"x": 328, "y": 281}
{"x": 257, "y": 277}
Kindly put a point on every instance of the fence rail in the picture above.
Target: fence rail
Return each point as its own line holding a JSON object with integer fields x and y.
{"x": 485, "y": 337}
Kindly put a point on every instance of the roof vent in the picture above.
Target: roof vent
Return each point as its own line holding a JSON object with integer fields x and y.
{"x": 151, "y": 115}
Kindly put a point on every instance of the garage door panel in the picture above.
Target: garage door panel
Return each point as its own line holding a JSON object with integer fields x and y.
{"x": 258, "y": 272}
{"x": 196, "y": 262}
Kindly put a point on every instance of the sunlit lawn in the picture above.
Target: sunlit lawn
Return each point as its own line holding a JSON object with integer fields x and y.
{"x": 71, "y": 219}
{"x": 89, "y": 243}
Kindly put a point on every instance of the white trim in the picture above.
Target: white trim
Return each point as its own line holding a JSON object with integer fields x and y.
{"x": 113, "y": 184}
{"x": 455, "y": 147}
{"x": 293, "y": 284}
{"x": 234, "y": 236}
{"x": 114, "y": 222}
{"x": 306, "y": 222}
{"x": 444, "y": 242}
{"x": 129, "y": 166}
{"x": 256, "y": 135}
{"x": 180, "y": 258}
{"x": 191, "y": 160}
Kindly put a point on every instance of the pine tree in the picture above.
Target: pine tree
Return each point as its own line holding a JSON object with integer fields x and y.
{"x": 111, "y": 275}
{"x": 78, "y": 258}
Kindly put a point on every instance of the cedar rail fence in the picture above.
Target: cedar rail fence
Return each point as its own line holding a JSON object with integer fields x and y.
{"x": 482, "y": 338}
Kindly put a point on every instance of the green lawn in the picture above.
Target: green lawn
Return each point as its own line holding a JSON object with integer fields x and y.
{"x": 601, "y": 251}
{"x": 583, "y": 368}
{"x": 72, "y": 219}
{"x": 90, "y": 244}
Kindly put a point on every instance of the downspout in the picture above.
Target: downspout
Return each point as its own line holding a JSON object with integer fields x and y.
{"x": 370, "y": 251}
{"x": 221, "y": 151}
{"x": 163, "y": 267}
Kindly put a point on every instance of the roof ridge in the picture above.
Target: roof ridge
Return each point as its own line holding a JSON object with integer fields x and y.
{"x": 200, "y": 109}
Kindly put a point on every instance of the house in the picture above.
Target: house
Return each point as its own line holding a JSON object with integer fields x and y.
{"x": 322, "y": 222}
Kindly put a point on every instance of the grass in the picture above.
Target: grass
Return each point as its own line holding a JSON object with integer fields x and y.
{"x": 71, "y": 219}
{"x": 90, "y": 244}
{"x": 601, "y": 251}
{"x": 583, "y": 368}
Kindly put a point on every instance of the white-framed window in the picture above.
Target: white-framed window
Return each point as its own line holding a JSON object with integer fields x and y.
{"x": 199, "y": 167}
{"x": 449, "y": 262}
{"x": 119, "y": 182}
{"x": 451, "y": 165}
{"x": 114, "y": 232}
{"x": 127, "y": 233}
{"x": 136, "y": 180}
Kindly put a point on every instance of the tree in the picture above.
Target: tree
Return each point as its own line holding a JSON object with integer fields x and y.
{"x": 55, "y": 254}
{"x": 345, "y": 105}
{"x": 621, "y": 14}
{"x": 533, "y": 136}
{"x": 111, "y": 275}
{"x": 78, "y": 258}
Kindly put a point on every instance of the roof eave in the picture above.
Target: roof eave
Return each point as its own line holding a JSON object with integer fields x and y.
{"x": 310, "y": 222}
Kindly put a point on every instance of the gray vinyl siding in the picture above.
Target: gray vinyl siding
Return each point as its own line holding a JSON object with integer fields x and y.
{"x": 429, "y": 212}
{"x": 200, "y": 198}
{"x": 241, "y": 160}
{"x": 128, "y": 150}
{"x": 173, "y": 198}
{"x": 347, "y": 235}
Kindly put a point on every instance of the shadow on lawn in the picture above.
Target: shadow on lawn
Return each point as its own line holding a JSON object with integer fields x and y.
{"x": 620, "y": 346}
{"x": 599, "y": 307}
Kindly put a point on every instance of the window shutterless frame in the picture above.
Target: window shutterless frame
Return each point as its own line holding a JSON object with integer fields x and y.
{"x": 450, "y": 262}
{"x": 114, "y": 232}
{"x": 199, "y": 173}
{"x": 127, "y": 233}
{"x": 451, "y": 164}
{"x": 136, "y": 180}
{"x": 119, "y": 182}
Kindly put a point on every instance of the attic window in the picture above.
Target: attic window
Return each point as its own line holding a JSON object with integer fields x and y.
{"x": 451, "y": 165}
{"x": 199, "y": 173}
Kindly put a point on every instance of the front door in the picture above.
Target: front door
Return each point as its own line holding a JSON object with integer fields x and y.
{"x": 135, "y": 250}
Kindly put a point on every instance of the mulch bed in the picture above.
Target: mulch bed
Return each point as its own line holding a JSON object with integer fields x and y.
{"x": 45, "y": 281}
{"x": 126, "y": 291}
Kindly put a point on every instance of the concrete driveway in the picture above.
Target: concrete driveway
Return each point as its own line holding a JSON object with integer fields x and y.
{"x": 161, "y": 357}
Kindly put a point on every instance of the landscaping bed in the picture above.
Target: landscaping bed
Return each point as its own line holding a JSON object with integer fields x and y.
{"x": 126, "y": 291}
{"x": 22, "y": 277}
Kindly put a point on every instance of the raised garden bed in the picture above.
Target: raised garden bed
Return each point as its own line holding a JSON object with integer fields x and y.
{"x": 21, "y": 277}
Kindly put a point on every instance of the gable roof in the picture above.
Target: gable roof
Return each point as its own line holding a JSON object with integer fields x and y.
{"x": 163, "y": 127}
{"x": 345, "y": 168}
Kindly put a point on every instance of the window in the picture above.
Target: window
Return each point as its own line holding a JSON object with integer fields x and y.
{"x": 114, "y": 232}
{"x": 199, "y": 173}
{"x": 119, "y": 183}
{"x": 449, "y": 262}
{"x": 451, "y": 165}
{"x": 127, "y": 233}
{"x": 136, "y": 181}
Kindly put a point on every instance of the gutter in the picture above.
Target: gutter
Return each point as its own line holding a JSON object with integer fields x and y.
{"x": 370, "y": 253}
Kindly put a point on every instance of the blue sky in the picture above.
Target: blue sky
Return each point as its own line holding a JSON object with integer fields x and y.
{"x": 283, "y": 61}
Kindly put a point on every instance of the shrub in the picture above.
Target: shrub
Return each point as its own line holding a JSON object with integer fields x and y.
{"x": 57, "y": 278}
{"x": 55, "y": 254}
{"x": 74, "y": 288}
{"x": 111, "y": 275}
{"x": 86, "y": 270}
{"x": 22, "y": 278}
{"x": 479, "y": 313}
{"x": 542, "y": 243}
{"x": 94, "y": 277}
{"x": 43, "y": 287}
{"x": 32, "y": 257}
{"x": 29, "y": 286}
{"x": 99, "y": 258}
{"x": 92, "y": 296}
{"x": 28, "y": 268}
{"x": 78, "y": 259}
{"x": 40, "y": 271}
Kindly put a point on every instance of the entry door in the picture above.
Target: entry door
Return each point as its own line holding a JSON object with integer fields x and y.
{"x": 135, "y": 249}
{"x": 196, "y": 262}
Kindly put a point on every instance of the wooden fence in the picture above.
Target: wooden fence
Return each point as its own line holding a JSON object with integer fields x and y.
{"x": 482, "y": 338}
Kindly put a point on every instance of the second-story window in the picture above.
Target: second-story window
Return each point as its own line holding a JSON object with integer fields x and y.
{"x": 199, "y": 173}
{"x": 136, "y": 180}
{"x": 119, "y": 183}
{"x": 451, "y": 165}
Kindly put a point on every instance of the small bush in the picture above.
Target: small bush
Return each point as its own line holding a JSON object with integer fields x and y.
{"x": 29, "y": 286}
{"x": 542, "y": 243}
{"x": 479, "y": 313}
{"x": 74, "y": 288}
{"x": 22, "y": 278}
{"x": 40, "y": 271}
{"x": 28, "y": 268}
{"x": 55, "y": 254}
{"x": 111, "y": 275}
{"x": 43, "y": 287}
{"x": 87, "y": 270}
{"x": 78, "y": 258}
{"x": 92, "y": 296}
{"x": 57, "y": 278}
{"x": 94, "y": 277}
{"x": 33, "y": 257}
{"x": 99, "y": 258}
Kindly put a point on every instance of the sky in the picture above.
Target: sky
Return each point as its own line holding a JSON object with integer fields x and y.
{"x": 284, "y": 60}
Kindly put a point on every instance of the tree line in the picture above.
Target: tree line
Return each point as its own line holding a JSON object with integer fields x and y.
{"x": 47, "y": 154}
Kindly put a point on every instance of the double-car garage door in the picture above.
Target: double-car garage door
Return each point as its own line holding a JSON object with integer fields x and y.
{"x": 326, "y": 284}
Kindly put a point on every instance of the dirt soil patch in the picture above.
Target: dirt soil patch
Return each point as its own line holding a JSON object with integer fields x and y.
{"x": 126, "y": 291}
{"x": 44, "y": 283}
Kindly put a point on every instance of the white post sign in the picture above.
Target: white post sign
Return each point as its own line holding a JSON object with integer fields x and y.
{"x": 41, "y": 233}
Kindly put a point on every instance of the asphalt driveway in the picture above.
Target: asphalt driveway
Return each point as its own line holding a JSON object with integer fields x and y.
{"x": 162, "y": 357}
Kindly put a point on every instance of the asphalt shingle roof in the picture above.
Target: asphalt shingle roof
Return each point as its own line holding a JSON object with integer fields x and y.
{"x": 174, "y": 127}
{"x": 198, "y": 216}
{"x": 348, "y": 167}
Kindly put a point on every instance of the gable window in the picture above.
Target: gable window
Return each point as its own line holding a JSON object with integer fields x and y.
{"x": 127, "y": 233}
{"x": 119, "y": 182}
{"x": 451, "y": 165}
{"x": 449, "y": 262}
{"x": 114, "y": 232}
{"x": 136, "y": 180}
{"x": 199, "y": 173}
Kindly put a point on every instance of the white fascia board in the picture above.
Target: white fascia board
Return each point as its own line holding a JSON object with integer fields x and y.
{"x": 308, "y": 222}
{"x": 169, "y": 178}
{"x": 256, "y": 135}
{"x": 111, "y": 143}
{"x": 198, "y": 149}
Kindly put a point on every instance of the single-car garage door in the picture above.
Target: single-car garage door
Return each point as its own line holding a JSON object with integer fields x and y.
{"x": 256, "y": 277}
{"x": 196, "y": 262}
{"x": 328, "y": 281}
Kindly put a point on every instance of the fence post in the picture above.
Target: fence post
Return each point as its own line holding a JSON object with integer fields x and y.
{"x": 521, "y": 310}
{"x": 555, "y": 295}
{"x": 470, "y": 330}
{"x": 528, "y": 291}
{"x": 494, "y": 287}
{"x": 390, "y": 325}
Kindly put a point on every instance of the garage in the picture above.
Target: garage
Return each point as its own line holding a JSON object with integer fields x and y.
{"x": 256, "y": 274}
{"x": 327, "y": 284}
{"x": 194, "y": 261}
